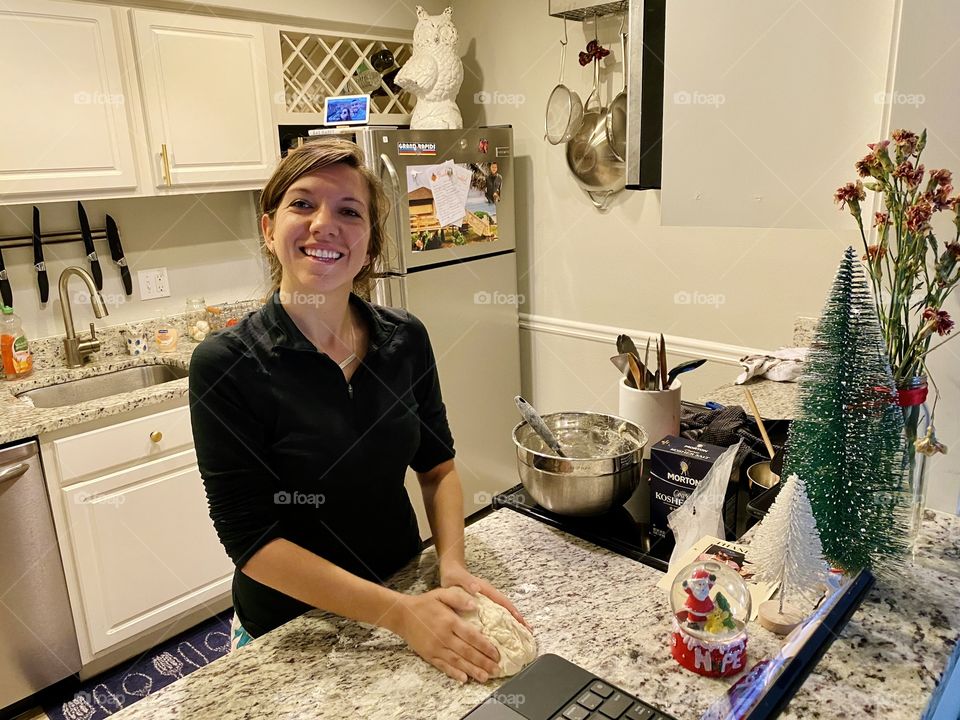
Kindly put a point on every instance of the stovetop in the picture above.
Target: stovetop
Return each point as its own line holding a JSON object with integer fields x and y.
{"x": 624, "y": 530}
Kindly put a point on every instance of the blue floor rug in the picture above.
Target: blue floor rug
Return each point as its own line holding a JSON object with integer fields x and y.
{"x": 103, "y": 695}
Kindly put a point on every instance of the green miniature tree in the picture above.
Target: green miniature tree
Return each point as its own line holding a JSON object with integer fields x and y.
{"x": 847, "y": 442}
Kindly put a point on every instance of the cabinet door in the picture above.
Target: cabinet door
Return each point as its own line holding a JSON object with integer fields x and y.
{"x": 206, "y": 99}
{"x": 64, "y": 126}
{"x": 144, "y": 546}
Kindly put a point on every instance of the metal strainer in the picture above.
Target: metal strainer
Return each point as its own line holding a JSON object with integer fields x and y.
{"x": 564, "y": 107}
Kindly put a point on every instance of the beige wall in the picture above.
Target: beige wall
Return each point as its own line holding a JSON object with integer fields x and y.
{"x": 928, "y": 63}
{"x": 627, "y": 270}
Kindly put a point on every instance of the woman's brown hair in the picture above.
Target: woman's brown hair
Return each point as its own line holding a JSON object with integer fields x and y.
{"x": 309, "y": 158}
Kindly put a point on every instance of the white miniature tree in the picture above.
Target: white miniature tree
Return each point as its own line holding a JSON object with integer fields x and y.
{"x": 786, "y": 548}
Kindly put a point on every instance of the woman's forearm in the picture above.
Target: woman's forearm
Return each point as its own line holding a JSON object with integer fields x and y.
{"x": 299, "y": 573}
{"x": 443, "y": 501}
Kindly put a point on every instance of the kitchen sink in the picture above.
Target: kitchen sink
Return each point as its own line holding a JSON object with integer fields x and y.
{"x": 101, "y": 386}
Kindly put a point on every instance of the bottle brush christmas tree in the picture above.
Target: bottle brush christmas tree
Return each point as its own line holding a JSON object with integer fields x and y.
{"x": 847, "y": 442}
{"x": 786, "y": 548}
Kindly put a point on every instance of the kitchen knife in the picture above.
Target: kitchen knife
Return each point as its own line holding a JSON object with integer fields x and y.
{"x": 5, "y": 293}
{"x": 88, "y": 247}
{"x": 116, "y": 252}
{"x": 42, "y": 282}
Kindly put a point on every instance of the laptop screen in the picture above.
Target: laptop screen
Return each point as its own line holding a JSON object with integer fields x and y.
{"x": 766, "y": 689}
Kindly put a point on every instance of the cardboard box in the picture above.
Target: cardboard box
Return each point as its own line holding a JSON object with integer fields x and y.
{"x": 677, "y": 466}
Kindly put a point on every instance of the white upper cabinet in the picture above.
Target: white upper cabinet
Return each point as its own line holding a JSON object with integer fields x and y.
{"x": 206, "y": 99}
{"x": 64, "y": 127}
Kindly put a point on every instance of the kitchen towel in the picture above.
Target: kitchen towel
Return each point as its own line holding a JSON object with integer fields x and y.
{"x": 783, "y": 365}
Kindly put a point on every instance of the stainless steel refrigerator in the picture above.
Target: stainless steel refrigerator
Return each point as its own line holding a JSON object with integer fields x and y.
{"x": 452, "y": 263}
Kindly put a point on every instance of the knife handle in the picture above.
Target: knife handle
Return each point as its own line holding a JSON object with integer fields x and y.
{"x": 127, "y": 280}
{"x": 44, "y": 284}
{"x": 6, "y": 293}
{"x": 97, "y": 274}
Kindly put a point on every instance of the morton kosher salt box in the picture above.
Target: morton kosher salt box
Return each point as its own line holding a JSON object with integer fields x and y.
{"x": 677, "y": 465}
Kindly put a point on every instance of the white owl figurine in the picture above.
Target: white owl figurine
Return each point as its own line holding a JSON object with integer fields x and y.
{"x": 433, "y": 73}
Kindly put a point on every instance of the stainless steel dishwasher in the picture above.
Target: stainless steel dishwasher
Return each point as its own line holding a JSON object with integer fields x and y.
{"x": 39, "y": 642}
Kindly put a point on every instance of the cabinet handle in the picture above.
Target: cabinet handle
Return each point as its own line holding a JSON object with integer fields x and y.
{"x": 165, "y": 160}
{"x": 12, "y": 473}
{"x": 156, "y": 436}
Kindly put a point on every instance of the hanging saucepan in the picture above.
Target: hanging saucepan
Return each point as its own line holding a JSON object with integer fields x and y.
{"x": 589, "y": 155}
{"x": 617, "y": 114}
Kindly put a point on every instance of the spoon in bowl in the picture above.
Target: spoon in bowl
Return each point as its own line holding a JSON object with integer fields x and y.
{"x": 539, "y": 426}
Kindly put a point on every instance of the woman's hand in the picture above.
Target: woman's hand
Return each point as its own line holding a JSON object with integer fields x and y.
{"x": 457, "y": 575}
{"x": 430, "y": 625}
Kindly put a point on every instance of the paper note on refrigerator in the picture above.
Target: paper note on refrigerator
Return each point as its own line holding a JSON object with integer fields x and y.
{"x": 450, "y": 184}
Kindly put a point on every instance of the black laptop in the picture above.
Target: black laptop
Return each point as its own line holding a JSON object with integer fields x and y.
{"x": 552, "y": 688}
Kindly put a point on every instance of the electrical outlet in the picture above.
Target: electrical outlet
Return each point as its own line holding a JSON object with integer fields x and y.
{"x": 153, "y": 283}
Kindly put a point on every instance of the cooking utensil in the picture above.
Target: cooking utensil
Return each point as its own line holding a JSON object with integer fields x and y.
{"x": 662, "y": 364}
{"x": 625, "y": 344}
{"x": 639, "y": 376}
{"x": 6, "y": 294}
{"x": 564, "y": 107}
{"x": 43, "y": 283}
{"x": 116, "y": 252}
{"x": 536, "y": 422}
{"x": 762, "y": 475}
{"x": 589, "y": 156}
{"x": 763, "y": 430}
{"x": 581, "y": 485}
{"x": 682, "y": 368}
{"x": 616, "y": 120}
{"x": 621, "y": 363}
{"x": 89, "y": 248}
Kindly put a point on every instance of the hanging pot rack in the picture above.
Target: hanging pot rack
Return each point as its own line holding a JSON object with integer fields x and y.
{"x": 578, "y": 10}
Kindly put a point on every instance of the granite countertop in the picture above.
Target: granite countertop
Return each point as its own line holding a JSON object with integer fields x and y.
{"x": 19, "y": 419}
{"x": 775, "y": 400}
{"x": 593, "y": 607}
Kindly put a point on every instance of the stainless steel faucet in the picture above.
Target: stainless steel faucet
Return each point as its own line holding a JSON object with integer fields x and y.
{"x": 76, "y": 348}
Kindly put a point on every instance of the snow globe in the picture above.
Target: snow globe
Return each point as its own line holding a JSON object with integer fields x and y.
{"x": 711, "y": 607}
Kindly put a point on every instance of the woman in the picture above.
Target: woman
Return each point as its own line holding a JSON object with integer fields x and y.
{"x": 308, "y": 412}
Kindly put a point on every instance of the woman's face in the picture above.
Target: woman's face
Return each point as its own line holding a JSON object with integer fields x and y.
{"x": 321, "y": 231}
{"x": 344, "y": 114}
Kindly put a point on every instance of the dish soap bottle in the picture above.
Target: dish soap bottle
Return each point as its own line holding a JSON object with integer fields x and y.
{"x": 14, "y": 350}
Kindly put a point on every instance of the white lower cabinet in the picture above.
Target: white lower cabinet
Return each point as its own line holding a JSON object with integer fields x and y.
{"x": 139, "y": 546}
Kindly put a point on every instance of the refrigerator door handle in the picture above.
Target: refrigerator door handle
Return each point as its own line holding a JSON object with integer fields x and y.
{"x": 394, "y": 255}
{"x": 390, "y": 291}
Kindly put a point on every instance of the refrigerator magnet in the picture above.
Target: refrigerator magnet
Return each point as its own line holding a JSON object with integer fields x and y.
{"x": 483, "y": 146}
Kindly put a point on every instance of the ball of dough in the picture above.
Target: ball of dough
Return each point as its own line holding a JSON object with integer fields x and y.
{"x": 515, "y": 643}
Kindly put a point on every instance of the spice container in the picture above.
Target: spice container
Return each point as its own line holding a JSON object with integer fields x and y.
{"x": 196, "y": 318}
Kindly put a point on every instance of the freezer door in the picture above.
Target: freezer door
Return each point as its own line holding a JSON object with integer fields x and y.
{"x": 452, "y": 193}
{"x": 470, "y": 311}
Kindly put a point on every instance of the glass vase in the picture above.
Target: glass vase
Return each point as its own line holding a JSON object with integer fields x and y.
{"x": 911, "y": 396}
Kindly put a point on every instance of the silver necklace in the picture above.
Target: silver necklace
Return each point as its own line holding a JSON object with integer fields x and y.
{"x": 353, "y": 344}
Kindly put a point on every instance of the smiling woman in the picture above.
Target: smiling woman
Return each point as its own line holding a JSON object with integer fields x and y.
{"x": 306, "y": 416}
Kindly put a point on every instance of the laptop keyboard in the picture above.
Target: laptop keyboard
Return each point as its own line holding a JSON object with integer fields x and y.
{"x": 551, "y": 688}
{"x": 599, "y": 701}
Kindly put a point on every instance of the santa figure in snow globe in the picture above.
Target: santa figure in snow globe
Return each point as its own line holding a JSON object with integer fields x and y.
{"x": 711, "y": 607}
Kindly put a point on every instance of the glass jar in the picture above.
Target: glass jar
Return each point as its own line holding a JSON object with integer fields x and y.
{"x": 196, "y": 318}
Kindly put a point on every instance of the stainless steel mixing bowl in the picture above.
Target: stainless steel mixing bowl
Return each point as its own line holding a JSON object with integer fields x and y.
{"x": 602, "y": 468}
